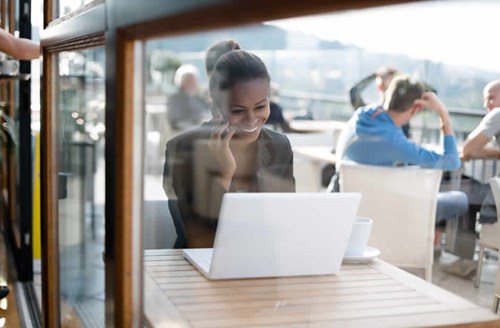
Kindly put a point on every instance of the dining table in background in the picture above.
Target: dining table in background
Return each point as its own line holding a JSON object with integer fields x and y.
{"x": 309, "y": 162}
{"x": 311, "y": 126}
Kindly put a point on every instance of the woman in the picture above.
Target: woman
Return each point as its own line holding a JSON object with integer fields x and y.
{"x": 232, "y": 153}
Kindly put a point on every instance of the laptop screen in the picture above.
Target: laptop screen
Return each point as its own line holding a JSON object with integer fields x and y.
{"x": 282, "y": 234}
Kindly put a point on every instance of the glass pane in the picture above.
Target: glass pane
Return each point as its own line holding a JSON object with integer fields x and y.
{"x": 81, "y": 186}
{"x": 36, "y": 21}
{"x": 313, "y": 63}
{"x": 68, "y": 6}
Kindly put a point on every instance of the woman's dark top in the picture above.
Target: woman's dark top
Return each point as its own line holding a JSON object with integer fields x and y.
{"x": 189, "y": 180}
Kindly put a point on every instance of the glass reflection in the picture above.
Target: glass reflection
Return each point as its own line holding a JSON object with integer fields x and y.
{"x": 81, "y": 186}
{"x": 312, "y": 75}
{"x": 68, "y": 6}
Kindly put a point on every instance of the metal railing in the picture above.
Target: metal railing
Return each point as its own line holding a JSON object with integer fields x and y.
{"x": 319, "y": 106}
{"x": 424, "y": 127}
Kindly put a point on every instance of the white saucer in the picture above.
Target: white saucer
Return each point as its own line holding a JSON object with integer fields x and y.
{"x": 368, "y": 255}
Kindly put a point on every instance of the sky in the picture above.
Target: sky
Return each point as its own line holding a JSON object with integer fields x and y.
{"x": 453, "y": 32}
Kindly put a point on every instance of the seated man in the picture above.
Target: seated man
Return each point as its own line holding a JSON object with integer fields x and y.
{"x": 373, "y": 136}
{"x": 186, "y": 108}
{"x": 276, "y": 118}
{"x": 483, "y": 143}
{"x": 478, "y": 143}
{"x": 382, "y": 77}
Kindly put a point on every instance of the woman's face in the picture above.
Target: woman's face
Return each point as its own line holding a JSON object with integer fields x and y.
{"x": 247, "y": 109}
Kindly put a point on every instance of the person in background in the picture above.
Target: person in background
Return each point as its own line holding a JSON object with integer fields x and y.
{"x": 382, "y": 77}
{"x": 186, "y": 108}
{"x": 23, "y": 49}
{"x": 373, "y": 136}
{"x": 483, "y": 142}
{"x": 276, "y": 118}
{"x": 245, "y": 156}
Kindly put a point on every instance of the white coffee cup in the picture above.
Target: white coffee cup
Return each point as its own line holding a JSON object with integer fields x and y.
{"x": 360, "y": 233}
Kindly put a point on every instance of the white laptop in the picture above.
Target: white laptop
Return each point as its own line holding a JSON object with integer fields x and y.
{"x": 278, "y": 234}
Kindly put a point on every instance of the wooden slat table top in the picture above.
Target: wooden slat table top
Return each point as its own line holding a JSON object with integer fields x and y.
{"x": 374, "y": 294}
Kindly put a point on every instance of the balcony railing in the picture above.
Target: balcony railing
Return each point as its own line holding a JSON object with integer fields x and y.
{"x": 424, "y": 127}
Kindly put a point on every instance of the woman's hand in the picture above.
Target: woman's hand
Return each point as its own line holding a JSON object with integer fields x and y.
{"x": 219, "y": 146}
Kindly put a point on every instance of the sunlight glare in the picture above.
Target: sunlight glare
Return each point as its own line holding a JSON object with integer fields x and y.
{"x": 453, "y": 32}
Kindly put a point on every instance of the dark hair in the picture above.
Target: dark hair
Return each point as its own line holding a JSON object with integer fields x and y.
{"x": 402, "y": 92}
{"x": 234, "y": 67}
{"x": 216, "y": 51}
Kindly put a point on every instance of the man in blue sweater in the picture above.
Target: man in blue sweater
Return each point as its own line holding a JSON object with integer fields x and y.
{"x": 373, "y": 136}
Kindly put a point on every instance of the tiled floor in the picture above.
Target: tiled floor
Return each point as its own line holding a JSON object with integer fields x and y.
{"x": 464, "y": 287}
{"x": 443, "y": 276}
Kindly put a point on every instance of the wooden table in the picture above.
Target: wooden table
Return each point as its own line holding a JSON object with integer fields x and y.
{"x": 376, "y": 294}
{"x": 320, "y": 154}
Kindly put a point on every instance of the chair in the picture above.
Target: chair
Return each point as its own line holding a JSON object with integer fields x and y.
{"x": 489, "y": 237}
{"x": 158, "y": 226}
{"x": 402, "y": 203}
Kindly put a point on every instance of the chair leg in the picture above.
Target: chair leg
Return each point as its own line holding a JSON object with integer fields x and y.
{"x": 479, "y": 266}
{"x": 428, "y": 273}
{"x": 496, "y": 299}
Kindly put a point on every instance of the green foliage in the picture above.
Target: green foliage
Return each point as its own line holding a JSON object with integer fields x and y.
{"x": 168, "y": 63}
{"x": 164, "y": 62}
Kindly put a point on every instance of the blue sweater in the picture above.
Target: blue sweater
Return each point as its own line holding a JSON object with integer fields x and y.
{"x": 371, "y": 137}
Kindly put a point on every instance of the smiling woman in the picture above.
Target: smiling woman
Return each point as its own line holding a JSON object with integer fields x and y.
{"x": 236, "y": 152}
{"x": 240, "y": 86}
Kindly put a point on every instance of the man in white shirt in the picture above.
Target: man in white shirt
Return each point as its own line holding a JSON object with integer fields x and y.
{"x": 478, "y": 143}
{"x": 483, "y": 143}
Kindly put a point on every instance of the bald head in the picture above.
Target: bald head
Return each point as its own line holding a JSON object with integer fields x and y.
{"x": 491, "y": 95}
